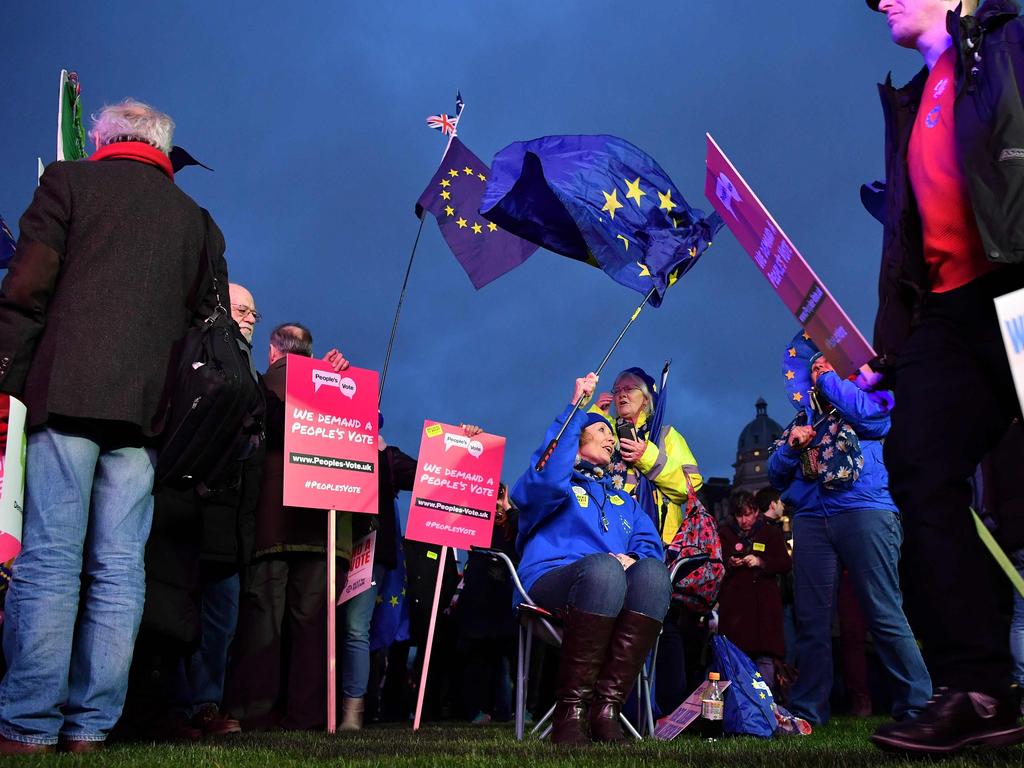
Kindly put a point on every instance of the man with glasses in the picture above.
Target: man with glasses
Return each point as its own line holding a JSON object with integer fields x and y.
{"x": 243, "y": 310}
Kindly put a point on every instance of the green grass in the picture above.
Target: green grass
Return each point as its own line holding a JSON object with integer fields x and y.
{"x": 842, "y": 743}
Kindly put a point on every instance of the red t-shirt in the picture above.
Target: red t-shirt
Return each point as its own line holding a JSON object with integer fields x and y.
{"x": 952, "y": 246}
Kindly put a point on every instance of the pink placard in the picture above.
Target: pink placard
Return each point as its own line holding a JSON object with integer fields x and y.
{"x": 782, "y": 265}
{"x": 683, "y": 716}
{"x": 360, "y": 568}
{"x": 330, "y": 437}
{"x": 456, "y": 488}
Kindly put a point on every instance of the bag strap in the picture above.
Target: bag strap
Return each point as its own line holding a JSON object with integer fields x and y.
{"x": 198, "y": 293}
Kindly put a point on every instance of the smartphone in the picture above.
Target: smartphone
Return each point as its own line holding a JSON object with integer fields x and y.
{"x": 625, "y": 429}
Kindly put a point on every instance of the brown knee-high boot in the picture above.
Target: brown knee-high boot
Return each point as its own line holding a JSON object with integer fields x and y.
{"x": 632, "y": 639}
{"x": 584, "y": 646}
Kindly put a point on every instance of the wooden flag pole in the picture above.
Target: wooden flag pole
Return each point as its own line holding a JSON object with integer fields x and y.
{"x": 430, "y": 640}
{"x": 332, "y": 616}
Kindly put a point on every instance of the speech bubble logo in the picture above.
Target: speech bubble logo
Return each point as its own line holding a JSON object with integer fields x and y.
{"x": 726, "y": 192}
{"x": 347, "y": 387}
{"x": 459, "y": 441}
{"x": 326, "y": 379}
{"x": 475, "y": 448}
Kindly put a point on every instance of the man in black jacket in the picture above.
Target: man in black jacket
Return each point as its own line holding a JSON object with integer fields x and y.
{"x": 954, "y": 239}
{"x": 96, "y": 297}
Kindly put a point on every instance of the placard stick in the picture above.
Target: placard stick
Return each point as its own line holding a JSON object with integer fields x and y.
{"x": 332, "y": 616}
{"x": 430, "y": 639}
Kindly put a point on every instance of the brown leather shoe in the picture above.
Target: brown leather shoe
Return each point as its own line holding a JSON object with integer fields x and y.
{"x": 12, "y": 747}
{"x": 584, "y": 644}
{"x": 80, "y": 746}
{"x": 212, "y": 722}
{"x": 632, "y": 639}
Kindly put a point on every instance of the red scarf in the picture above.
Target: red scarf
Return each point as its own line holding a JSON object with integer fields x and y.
{"x": 135, "y": 150}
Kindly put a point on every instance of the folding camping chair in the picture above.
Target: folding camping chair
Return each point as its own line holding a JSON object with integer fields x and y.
{"x": 535, "y": 621}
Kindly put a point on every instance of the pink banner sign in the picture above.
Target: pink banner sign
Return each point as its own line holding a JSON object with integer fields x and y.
{"x": 683, "y": 716}
{"x": 456, "y": 488}
{"x": 360, "y": 568}
{"x": 782, "y": 265}
{"x": 330, "y": 437}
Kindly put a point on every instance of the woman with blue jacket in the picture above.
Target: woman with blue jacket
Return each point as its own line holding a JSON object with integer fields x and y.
{"x": 590, "y": 553}
{"x": 828, "y": 466}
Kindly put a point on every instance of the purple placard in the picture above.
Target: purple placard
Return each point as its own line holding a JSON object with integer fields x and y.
{"x": 782, "y": 265}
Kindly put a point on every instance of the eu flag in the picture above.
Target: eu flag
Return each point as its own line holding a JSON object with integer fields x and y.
{"x": 7, "y": 244}
{"x": 453, "y": 196}
{"x": 601, "y": 200}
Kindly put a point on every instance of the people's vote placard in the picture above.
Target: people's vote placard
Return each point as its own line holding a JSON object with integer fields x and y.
{"x": 330, "y": 437}
{"x": 455, "y": 494}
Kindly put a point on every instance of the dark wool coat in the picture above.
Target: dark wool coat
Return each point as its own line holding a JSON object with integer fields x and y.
{"x": 97, "y": 295}
{"x": 750, "y": 603}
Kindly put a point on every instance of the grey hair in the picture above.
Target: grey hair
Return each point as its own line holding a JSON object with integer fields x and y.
{"x": 293, "y": 338}
{"x": 132, "y": 120}
{"x": 642, "y": 386}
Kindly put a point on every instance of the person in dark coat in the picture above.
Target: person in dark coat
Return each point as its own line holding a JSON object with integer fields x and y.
{"x": 750, "y": 603}
{"x": 101, "y": 288}
{"x": 278, "y": 673}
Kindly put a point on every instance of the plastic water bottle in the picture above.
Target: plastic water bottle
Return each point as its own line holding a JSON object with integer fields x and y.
{"x": 712, "y": 708}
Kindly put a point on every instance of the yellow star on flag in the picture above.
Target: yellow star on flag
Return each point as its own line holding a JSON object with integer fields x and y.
{"x": 792, "y": 351}
{"x": 798, "y": 396}
{"x": 481, "y": 177}
{"x": 468, "y": 171}
{"x": 693, "y": 252}
{"x": 453, "y": 173}
{"x": 635, "y": 193}
{"x": 611, "y": 202}
{"x": 446, "y": 195}
{"x": 806, "y": 337}
{"x": 449, "y": 211}
{"x": 394, "y": 601}
{"x": 492, "y": 227}
{"x": 477, "y": 229}
{"x": 446, "y": 182}
{"x": 625, "y": 240}
{"x": 666, "y": 201}
{"x": 790, "y": 375}
{"x": 757, "y": 675}
{"x": 461, "y": 222}
{"x": 762, "y": 695}
{"x": 644, "y": 271}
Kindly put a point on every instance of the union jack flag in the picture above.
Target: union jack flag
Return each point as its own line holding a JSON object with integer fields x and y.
{"x": 443, "y": 123}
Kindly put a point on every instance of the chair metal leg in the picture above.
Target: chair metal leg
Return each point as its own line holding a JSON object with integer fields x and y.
{"x": 522, "y": 680}
{"x": 543, "y": 723}
{"x": 629, "y": 726}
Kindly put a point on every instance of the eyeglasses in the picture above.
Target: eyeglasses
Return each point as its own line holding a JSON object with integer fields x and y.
{"x": 243, "y": 310}
{"x": 620, "y": 390}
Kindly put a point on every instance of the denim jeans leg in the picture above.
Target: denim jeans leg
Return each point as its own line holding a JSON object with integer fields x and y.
{"x": 114, "y": 590}
{"x": 593, "y": 584}
{"x": 815, "y": 584}
{"x": 647, "y": 588}
{"x": 355, "y": 653}
{"x": 218, "y": 616}
{"x": 1017, "y": 624}
{"x": 39, "y": 622}
{"x": 869, "y": 546}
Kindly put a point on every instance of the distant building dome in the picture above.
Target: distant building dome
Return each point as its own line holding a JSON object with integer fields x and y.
{"x": 752, "y": 450}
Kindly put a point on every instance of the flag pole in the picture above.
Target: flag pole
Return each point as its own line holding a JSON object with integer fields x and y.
{"x": 583, "y": 398}
{"x": 408, "y": 271}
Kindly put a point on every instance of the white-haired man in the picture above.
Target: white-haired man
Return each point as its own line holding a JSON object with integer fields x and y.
{"x": 953, "y": 241}
{"x": 98, "y": 292}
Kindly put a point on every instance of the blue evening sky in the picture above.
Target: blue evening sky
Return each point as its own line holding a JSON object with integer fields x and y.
{"x": 313, "y": 116}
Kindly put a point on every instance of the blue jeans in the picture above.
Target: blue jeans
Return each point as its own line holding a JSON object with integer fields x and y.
{"x": 1017, "y": 624}
{"x": 201, "y": 679}
{"x": 87, "y": 518}
{"x": 867, "y": 544}
{"x": 355, "y": 652}
{"x": 597, "y": 584}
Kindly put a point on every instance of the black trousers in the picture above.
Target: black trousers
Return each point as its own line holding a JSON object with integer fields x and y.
{"x": 955, "y": 400}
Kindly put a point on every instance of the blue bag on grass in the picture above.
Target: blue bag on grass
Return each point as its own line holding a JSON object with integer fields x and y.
{"x": 749, "y": 705}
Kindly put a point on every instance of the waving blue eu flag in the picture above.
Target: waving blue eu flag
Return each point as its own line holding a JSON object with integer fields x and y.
{"x": 600, "y": 200}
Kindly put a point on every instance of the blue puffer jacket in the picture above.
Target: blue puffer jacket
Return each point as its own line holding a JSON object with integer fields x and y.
{"x": 870, "y": 420}
{"x": 565, "y": 515}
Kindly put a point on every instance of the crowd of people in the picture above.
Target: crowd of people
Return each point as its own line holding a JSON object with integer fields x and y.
{"x": 161, "y": 610}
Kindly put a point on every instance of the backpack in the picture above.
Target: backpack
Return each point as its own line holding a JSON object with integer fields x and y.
{"x": 698, "y": 533}
{"x": 214, "y": 417}
{"x": 749, "y": 704}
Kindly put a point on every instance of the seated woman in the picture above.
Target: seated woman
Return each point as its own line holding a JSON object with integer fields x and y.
{"x": 590, "y": 553}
